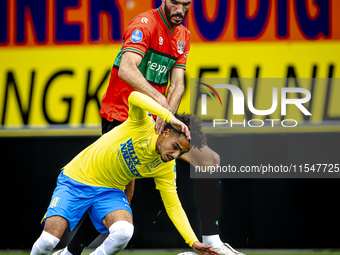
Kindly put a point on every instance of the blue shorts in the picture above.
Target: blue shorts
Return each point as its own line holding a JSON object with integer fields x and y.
{"x": 71, "y": 200}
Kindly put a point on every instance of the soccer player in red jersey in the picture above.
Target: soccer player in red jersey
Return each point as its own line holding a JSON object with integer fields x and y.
{"x": 154, "y": 45}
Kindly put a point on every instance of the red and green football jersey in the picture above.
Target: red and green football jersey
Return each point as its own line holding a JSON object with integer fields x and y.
{"x": 162, "y": 47}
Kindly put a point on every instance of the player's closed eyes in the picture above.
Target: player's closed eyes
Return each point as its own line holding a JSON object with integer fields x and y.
{"x": 184, "y": 4}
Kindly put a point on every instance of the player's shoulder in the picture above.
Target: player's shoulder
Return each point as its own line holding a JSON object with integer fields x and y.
{"x": 146, "y": 19}
{"x": 183, "y": 32}
{"x": 170, "y": 167}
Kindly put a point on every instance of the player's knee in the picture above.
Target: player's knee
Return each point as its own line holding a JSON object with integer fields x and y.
{"x": 122, "y": 231}
{"x": 120, "y": 234}
{"x": 45, "y": 244}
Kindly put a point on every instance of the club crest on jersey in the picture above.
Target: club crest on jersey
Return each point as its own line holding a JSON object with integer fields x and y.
{"x": 180, "y": 47}
{"x": 155, "y": 163}
{"x": 137, "y": 36}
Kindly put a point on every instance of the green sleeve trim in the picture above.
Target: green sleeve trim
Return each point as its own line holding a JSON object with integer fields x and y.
{"x": 180, "y": 66}
{"x": 134, "y": 50}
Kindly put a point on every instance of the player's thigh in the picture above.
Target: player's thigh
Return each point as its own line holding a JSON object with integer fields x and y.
{"x": 204, "y": 156}
{"x": 56, "y": 226}
{"x": 115, "y": 216}
{"x": 70, "y": 200}
{"x": 112, "y": 205}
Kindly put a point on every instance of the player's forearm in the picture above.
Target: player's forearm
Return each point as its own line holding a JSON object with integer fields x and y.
{"x": 178, "y": 217}
{"x": 174, "y": 96}
{"x": 138, "y": 100}
{"x": 134, "y": 78}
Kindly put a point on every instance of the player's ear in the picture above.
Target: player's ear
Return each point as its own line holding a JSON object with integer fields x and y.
{"x": 167, "y": 131}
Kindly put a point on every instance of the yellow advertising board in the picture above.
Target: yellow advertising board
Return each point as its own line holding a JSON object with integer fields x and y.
{"x": 64, "y": 85}
{"x": 61, "y": 85}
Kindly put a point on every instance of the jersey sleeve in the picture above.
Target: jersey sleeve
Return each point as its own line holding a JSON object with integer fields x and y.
{"x": 138, "y": 36}
{"x": 182, "y": 61}
{"x": 178, "y": 216}
{"x": 140, "y": 104}
{"x": 167, "y": 188}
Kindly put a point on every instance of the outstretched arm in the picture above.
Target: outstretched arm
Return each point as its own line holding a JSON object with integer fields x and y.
{"x": 179, "y": 219}
{"x": 140, "y": 104}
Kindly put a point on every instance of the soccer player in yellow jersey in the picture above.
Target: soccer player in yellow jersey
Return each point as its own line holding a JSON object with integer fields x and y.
{"x": 153, "y": 55}
{"x": 95, "y": 179}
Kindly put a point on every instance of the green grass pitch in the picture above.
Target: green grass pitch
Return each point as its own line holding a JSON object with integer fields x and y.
{"x": 165, "y": 252}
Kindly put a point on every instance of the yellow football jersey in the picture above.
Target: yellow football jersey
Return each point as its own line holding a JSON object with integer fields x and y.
{"x": 128, "y": 152}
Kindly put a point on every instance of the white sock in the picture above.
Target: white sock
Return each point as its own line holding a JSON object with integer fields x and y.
{"x": 65, "y": 252}
{"x": 120, "y": 234}
{"x": 213, "y": 240}
{"x": 45, "y": 244}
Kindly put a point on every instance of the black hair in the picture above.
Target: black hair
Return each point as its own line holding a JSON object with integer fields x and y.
{"x": 194, "y": 124}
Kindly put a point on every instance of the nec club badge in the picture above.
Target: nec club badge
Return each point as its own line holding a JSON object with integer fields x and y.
{"x": 180, "y": 47}
{"x": 137, "y": 36}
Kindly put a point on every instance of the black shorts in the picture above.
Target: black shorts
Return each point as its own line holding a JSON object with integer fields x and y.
{"x": 108, "y": 125}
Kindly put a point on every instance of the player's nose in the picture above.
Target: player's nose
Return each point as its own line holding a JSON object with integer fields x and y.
{"x": 175, "y": 154}
{"x": 179, "y": 9}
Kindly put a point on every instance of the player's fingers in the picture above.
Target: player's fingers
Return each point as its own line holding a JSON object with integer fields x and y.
{"x": 186, "y": 131}
{"x": 213, "y": 252}
{"x": 157, "y": 126}
{"x": 208, "y": 250}
{"x": 162, "y": 125}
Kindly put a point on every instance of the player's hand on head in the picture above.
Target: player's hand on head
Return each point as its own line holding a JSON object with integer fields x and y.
{"x": 179, "y": 125}
{"x": 160, "y": 124}
{"x": 204, "y": 249}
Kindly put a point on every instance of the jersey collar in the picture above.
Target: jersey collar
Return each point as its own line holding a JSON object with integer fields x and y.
{"x": 165, "y": 21}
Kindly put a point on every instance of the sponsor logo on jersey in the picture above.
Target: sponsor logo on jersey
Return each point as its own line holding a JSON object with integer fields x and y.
{"x": 160, "y": 40}
{"x": 55, "y": 202}
{"x": 144, "y": 20}
{"x": 130, "y": 157}
{"x": 137, "y": 36}
{"x": 157, "y": 67}
{"x": 180, "y": 47}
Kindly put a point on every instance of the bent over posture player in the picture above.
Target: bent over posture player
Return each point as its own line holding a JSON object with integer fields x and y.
{"x": 155, "y": 48}
{"x": 95, "y": 179}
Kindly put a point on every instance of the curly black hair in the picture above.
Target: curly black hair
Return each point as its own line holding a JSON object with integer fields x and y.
{"x": 194, "y": 124}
